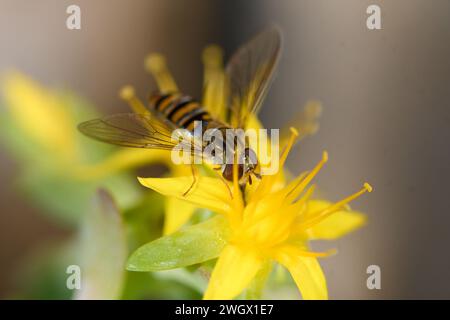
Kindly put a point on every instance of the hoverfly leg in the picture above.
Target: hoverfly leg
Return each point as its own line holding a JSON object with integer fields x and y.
{"x": 194, "y": 181}
{"x": 226, "y": 185}
{"x": 223, "y": 180}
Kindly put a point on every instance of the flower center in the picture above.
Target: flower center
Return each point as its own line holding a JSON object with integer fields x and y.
{"x": 271, "y": 217}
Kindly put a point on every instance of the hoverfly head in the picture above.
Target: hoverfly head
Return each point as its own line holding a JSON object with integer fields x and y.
{"x": 247, "y": 167}
{"x": 249, "y": 160}
{"x": 250, "y": 165}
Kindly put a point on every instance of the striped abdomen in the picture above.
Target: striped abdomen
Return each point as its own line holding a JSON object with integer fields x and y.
{"x": 179, "y": 109}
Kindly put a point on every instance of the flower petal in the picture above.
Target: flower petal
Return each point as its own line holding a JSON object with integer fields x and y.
{"x": 123, "y": 159}
{"x": 41, "y": 114}
{"x": 336, "y": 225}
{"x": 207, "y": 192}
{"x": 253, "y": 123}
{"x": 306, "y": 272}
{"x": 177, "y": 214}
{"x": 191, "y": 245}
{"x": 255, "y": 289}
{"x": 178, "y": 170}
{"x": 233, "y": 272}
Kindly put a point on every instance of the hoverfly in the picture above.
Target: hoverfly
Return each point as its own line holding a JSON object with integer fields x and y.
{"x": 248, "y": 75}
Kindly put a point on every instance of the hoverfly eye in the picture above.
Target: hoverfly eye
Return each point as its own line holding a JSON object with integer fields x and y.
{"x": 228, "y": 171}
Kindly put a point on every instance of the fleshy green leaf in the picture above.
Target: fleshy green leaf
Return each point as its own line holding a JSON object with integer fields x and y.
{"x": 103, "y": 251}
{"x": 192, "y": 245}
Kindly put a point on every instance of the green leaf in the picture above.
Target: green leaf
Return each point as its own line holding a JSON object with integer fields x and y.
{"x": 23, "y": 147}
{"x": 144, "y": 220}
{"x": 192, "y": 245}
{"x": 65, "y": 199}
{"x": 103, "y": 251}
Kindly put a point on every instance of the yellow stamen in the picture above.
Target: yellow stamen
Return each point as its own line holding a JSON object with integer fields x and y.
{"x": 235, "y": 178}
{"x": 297, "y": 186}
{"x": 212, "y": 57}
{"x": 305, "y": 121}
{"x": 127, "y": 93}
{"x": 313, "y": 110}
{"x": 319, "y": 216}
{"x": 237, "y": 196}
{"x": 268, "y": 181}
{"x": 282, "y": 219}
{"x": 156, "y": 64}
{"x": 305, "y": 197}
{"x": 287, "y": 149}
{"x": 368, "y": 187}
{"x": 214, "y": 81}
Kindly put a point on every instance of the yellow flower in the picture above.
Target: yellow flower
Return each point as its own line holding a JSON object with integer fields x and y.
{"x": 178, "y": 212}
{"x": 39, "y": 127}
{"x": 268, "y": 223}
{"x": 40, "y": 114}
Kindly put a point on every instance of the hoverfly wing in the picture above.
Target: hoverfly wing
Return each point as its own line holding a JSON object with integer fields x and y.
{"x": 131, "y": 130}
{"x": 249, "y": 74}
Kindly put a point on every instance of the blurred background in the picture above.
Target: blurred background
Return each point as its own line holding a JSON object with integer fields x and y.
{"x": 386, "y": 112}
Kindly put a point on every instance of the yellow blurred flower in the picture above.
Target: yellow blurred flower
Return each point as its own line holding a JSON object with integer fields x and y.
{"x": 268, "y": 223}
{"x": 38, "y": 112}
{"x": 39, "y": 128}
